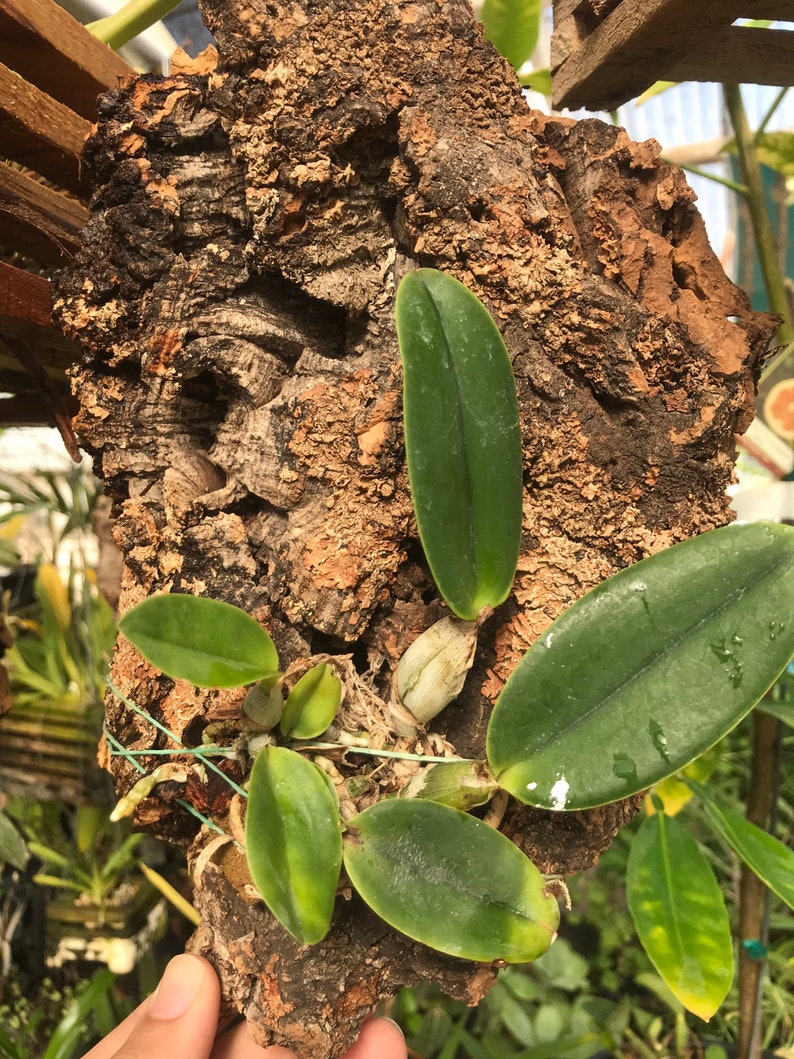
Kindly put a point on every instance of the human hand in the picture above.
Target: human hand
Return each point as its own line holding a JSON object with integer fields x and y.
{"x": 180, "y": 1021}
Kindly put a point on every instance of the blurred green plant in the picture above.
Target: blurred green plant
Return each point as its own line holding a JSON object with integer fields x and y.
{"x": 59, "y": 658}
{"x": 92, "y": 862}
{"x": 64, "y": 500}
{"x": 55, "y": 1023}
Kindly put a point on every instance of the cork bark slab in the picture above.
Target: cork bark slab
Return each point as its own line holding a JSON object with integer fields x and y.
{"x": 240, "y": 394}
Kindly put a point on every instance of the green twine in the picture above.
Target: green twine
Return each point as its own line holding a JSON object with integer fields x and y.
{"x": 162, "y": 728}
{"x": 119, "y": 750}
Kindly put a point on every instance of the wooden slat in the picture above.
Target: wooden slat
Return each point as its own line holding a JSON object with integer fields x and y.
{"x": 40, "y": 132}
{"x": 778, "y": 10}
{"x": 28, "y": 411}
{"x": 52, "y": 50}
{"x": 600, "y": 62}
{"x": 25, "y": 314}
{"x": 742, "y": 55}
{"x": 626, "y": 52}
{"x": 37, "y": 221}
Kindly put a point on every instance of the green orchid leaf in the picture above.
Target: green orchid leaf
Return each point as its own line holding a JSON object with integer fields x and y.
{"x": 449, "y": 881}
{"x": 679, "y": 913}
{"x": 462, "y": 440}
{"x": 647, "y": 670}
{"x": 770, "y": 859}
{"x": 312, "y": 704}
{"x": 207, "y": 642}
{"x": 13, "y": 850}
{"x": 293, "y": 841}
{"x": 513, "y": 27}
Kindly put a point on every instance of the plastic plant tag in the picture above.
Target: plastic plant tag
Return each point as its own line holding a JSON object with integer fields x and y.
{"x": 450, "y": 881}
{"x": 648, "y": 670}
{"x": 207, "y": 642}
{"x": 293, "y": 841}
{"x": 770, "y": 859}
{"x": 312, "y": 704}
{"x": 462, "y": 440}
{"x": 680, "y": 915}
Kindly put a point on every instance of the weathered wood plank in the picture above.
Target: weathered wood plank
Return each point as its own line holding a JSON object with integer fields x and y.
{"x": 13, "y": 377}
{"x": 628, "y": 51}
{"x": 600, "y": 63}
{"x": 40, "y": 132}
{"x": 25, "y": 313}
{"x": 52, "y": 50}
{"x": 29, "y": 411}
{"x": 740, "y": 54}
{"x": 779, "y": 10}
{"x": 37, "y": 221}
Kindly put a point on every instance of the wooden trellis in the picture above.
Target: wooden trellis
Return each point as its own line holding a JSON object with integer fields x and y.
{"x": 605, "y": 52}
{"x": 51, "y": 72}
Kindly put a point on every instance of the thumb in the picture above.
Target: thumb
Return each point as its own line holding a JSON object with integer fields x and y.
{"x": 180, "y": 1020}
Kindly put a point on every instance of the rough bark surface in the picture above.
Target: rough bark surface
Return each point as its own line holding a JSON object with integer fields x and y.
{"x": 240, "y": 394}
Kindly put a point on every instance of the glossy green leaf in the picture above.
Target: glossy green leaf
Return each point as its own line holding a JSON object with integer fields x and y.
{"x": 312, "y": 704}
{"x": 679, "y": 913}
{"x": 13, "y": 850}
{"x": 462, "y": 439}
{"x": 770, "y": 859}
{"x": 450, "y": 881}
{"x": 293, "y": 841}
{"x": 210, "y": 643}
{"x": 513, "y": 27}
{"x": 647, "y": 670}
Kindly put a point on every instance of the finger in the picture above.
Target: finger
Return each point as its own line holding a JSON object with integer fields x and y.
{"x": 379, "y": 1039}
{"x": 237, "y": 1044}
{"x": 109, "y": 1045}
{"x": 178, "y": 1022}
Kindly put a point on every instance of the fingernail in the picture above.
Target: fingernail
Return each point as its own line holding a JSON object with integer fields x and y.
{"x": 178, "y": 987}
{"x": 395, "y": 1024}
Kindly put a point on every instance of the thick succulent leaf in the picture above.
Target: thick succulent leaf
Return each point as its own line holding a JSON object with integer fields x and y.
{"x": 462, "y": 440}
{"x": 647, "y": 670}
{"x": 512, "y": 26}
{"x": 293, "y": 841}
{"x": 450, "y": 881}
{"x": 312, "y": 704}
{"x": 210, "y": 643}
{"x": 680, "y": 915}
{"x": 770, "y": 859}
